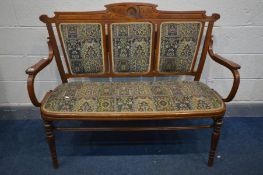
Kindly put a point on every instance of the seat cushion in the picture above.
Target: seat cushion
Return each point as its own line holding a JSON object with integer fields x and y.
{"x": 169, "y": 96}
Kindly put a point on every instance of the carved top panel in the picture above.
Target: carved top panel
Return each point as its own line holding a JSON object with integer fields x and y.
{"x": 130, "y": 11}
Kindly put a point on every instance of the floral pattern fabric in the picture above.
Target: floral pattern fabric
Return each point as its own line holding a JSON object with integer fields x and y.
{"x": 83, "y": 45}
{"x": 178, "y": 45}
{"x": 143, "y": 96}
{"x": 131, "y": 47}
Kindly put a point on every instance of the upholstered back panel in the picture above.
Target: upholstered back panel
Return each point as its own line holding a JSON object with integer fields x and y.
{"x": 83, "y": 46}
{"x": 178, "y": 46}
{"x": 131, "y": 47}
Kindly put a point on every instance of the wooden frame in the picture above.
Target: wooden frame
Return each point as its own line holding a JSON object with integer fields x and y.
{"x": 129, "y": 12}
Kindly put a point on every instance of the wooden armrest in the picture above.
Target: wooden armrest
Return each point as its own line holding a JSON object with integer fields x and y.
{"x": 33, "y": 71}
{"x": 221, "y": 60}
{"x": 233, "y": 67}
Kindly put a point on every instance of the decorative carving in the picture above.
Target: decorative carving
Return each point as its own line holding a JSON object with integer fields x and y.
{"x": 133, "y": 12}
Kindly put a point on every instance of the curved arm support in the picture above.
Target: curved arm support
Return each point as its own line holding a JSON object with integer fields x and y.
{"x": 233, "y": 67}
{"x": 33, "y": 71}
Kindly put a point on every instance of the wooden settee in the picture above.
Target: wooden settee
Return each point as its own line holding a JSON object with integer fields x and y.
{"x": 128, "y": 40}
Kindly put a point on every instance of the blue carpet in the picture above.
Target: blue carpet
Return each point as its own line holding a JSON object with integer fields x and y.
{"x": 23, "y": 150}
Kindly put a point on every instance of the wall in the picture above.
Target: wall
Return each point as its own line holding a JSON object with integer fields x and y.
{"x": 238, "y": 36}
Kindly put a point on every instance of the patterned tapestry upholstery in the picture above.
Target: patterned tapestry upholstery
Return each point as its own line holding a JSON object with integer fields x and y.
{"x": 131, "y": 47}
{"x": 178, "y": 45}
{"x": 83, "y": 45}
{"x": 143, "y": 96}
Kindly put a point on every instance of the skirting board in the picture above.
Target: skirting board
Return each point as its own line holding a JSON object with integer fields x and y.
{"x": 30, "y": 112}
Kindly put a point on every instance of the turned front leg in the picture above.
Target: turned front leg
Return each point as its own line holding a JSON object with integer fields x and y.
{"x": 214, "y": 140}
{"x": 51, "y": 142}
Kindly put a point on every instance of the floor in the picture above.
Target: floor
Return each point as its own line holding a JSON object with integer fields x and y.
{"x": 23, "y": 149}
